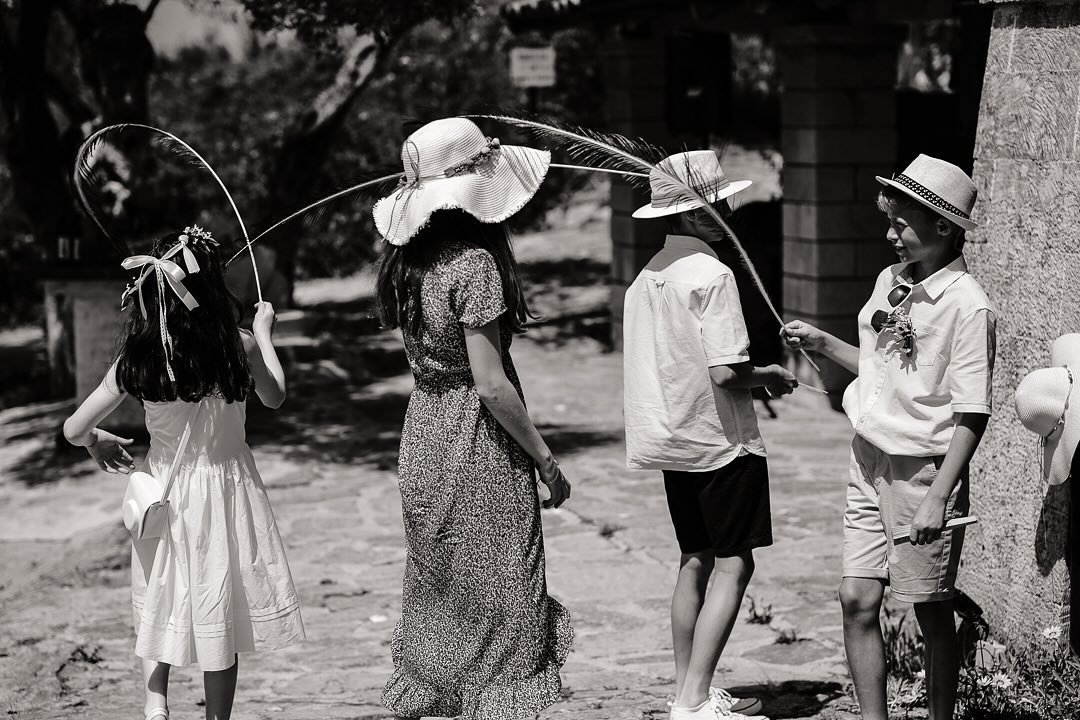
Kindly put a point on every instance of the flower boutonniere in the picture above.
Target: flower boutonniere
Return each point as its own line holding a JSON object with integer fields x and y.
{"x": 898, "y": 322}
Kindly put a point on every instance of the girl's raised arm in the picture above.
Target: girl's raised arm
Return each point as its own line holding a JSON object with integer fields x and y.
{"x": 262, "y": 358}
{"x": 81, "y": 428}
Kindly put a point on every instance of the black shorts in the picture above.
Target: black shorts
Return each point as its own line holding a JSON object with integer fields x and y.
{"x": 725, "y": 511}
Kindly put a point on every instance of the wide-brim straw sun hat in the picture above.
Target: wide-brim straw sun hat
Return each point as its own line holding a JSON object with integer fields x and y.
{"x": 699, "y": 169}
{"x": 451, "y": 164}
{"x": 940, "y": 186}
{"x": 1048, "y": 405}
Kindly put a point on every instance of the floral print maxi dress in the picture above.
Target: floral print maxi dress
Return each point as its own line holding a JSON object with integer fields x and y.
{"x": 478, "y": 635}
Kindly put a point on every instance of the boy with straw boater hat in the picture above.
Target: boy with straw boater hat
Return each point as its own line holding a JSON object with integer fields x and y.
{"x": 919, "y": 405}
{"x": 689, "y": 414}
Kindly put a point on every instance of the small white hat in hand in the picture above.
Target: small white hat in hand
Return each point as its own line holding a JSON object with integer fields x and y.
{"x": 1047, "y": 404}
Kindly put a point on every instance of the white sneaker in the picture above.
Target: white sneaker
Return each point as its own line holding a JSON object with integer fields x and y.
{"x": 729, "y": 703}
{"x": 744, "y": 706}
{"x": 715, "y": 708}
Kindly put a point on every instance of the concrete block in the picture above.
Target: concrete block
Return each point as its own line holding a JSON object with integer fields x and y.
{"x": 842, "y": 221}
{"x": 627, "y": 260}
{"x": 874, "y": 107}
{"x": 843, "y": 68}
{"x": 816, "y": 108}
{"x": 642, "y": 64}
{"x": 848, "y": 108}
{"x": 1027, "y": 258}
{"x": 832, "y": 146}
{"x": 1035, "y": 205}
{"x": 626, "y": 198}
{"x": 636, "y": 103}
{"x": 812, "y": 183}
{"x": 618, "y": 294}
{"x": 816, "y": 297}
{"x": 872, "y": 255}
{"x": 1002, "y": 38}
{"x": 897, "y": 11}
{"x": 807, "y": 38}
{"x": 866, "y": 185}
{"x": 1029, "y": 114}
{"x": 820, "y": 259}
{"x": 1047, "y": 37}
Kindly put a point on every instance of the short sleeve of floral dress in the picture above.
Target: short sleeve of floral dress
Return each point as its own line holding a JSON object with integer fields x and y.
{"x": 478, "y": 636}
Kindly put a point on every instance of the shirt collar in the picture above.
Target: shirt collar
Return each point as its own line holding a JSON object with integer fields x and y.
{"x": 937, "y": 283}
{"x": 686, "y": 242}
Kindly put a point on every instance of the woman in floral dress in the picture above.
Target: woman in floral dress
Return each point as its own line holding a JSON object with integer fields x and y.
{"x": 478, "y": 637}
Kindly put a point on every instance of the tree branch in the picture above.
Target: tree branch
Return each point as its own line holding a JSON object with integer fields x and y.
{"x": 73, "y": 106}
{"x": 351, "y": 77}
{"x": 7, "y": 63}
{"x": 148, "y": 14}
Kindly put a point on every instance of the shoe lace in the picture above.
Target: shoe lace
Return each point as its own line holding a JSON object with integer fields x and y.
{"x": 721, "y": 695}
{"x": 721, "y": 708}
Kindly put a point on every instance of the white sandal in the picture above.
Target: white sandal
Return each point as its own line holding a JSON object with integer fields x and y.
{"x": 162, "y": 713}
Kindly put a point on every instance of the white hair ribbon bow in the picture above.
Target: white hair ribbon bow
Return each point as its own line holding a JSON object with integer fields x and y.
{"x": 166, "y": 272}
{"x": 189, "y": 257}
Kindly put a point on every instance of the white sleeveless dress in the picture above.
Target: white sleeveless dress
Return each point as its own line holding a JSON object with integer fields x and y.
{"x": 217, "y": 583}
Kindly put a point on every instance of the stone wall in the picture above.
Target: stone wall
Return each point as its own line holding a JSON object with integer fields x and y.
{"x": 1027, "y": 256}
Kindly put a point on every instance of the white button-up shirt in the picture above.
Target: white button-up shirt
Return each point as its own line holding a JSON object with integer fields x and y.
{"x": 905, "y": 404}
{"x": 682, "y": 316}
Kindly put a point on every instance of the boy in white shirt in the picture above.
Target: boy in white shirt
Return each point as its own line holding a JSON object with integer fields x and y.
{"x": 689, "y": 413}
{"x": 919, "y": 406}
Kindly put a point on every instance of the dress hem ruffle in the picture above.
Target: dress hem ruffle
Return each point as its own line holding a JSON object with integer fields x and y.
{"x": 410, "y": 697}
{"x": 173, "y": 643}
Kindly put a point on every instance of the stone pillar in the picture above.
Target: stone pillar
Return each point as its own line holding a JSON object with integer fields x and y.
{"x": 1027, "y": 257}
{"x": 95, "y": 321}
{"x": 635, "y": 72}
{"x": 838, "y": 132}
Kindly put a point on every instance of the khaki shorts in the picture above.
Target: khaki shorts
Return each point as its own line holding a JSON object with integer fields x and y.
{"x": 882, "y": 495}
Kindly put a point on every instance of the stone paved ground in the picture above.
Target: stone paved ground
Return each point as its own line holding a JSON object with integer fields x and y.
{"x": 328, "y": 458}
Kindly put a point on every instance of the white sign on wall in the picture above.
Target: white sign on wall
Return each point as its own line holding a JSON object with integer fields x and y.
{"x": 532, "y": 67}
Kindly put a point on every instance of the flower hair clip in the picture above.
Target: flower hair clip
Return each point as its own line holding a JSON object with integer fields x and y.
{"x": 194, "y": 233}
{"x": 486, "y": 157}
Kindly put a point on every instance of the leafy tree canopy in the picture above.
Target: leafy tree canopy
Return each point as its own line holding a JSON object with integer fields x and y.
{"x": 314, "y": 20}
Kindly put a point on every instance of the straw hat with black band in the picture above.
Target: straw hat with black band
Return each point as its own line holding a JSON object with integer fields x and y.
{"x": 940, "y": 186}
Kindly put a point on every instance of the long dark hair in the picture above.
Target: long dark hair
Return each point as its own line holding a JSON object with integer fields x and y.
{"x": 208, "y": 357}
{"x": 401, "y": 272}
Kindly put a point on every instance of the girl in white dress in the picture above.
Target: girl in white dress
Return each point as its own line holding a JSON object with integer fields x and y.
{"x": 217, "y": 582}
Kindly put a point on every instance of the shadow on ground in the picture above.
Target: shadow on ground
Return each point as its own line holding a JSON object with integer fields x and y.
{"x": 798, "y": 698}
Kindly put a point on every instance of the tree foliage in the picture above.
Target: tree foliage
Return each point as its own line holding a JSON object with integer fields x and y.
{"x": 291, "y": 121}
{"x": 319, "y": 20}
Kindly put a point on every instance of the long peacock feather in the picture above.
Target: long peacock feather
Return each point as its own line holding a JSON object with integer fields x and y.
{"x": 313, "y": 213}
{"x": 104, "y": 140}
{"x": 617, "y": 152}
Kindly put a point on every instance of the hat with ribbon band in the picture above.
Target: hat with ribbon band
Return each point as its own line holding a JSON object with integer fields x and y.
{"x": 451, "y": 164}
{"x": 940, "y": 186}
{"x": 699, "y": 169}
{"x": 1048, "y": 404}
